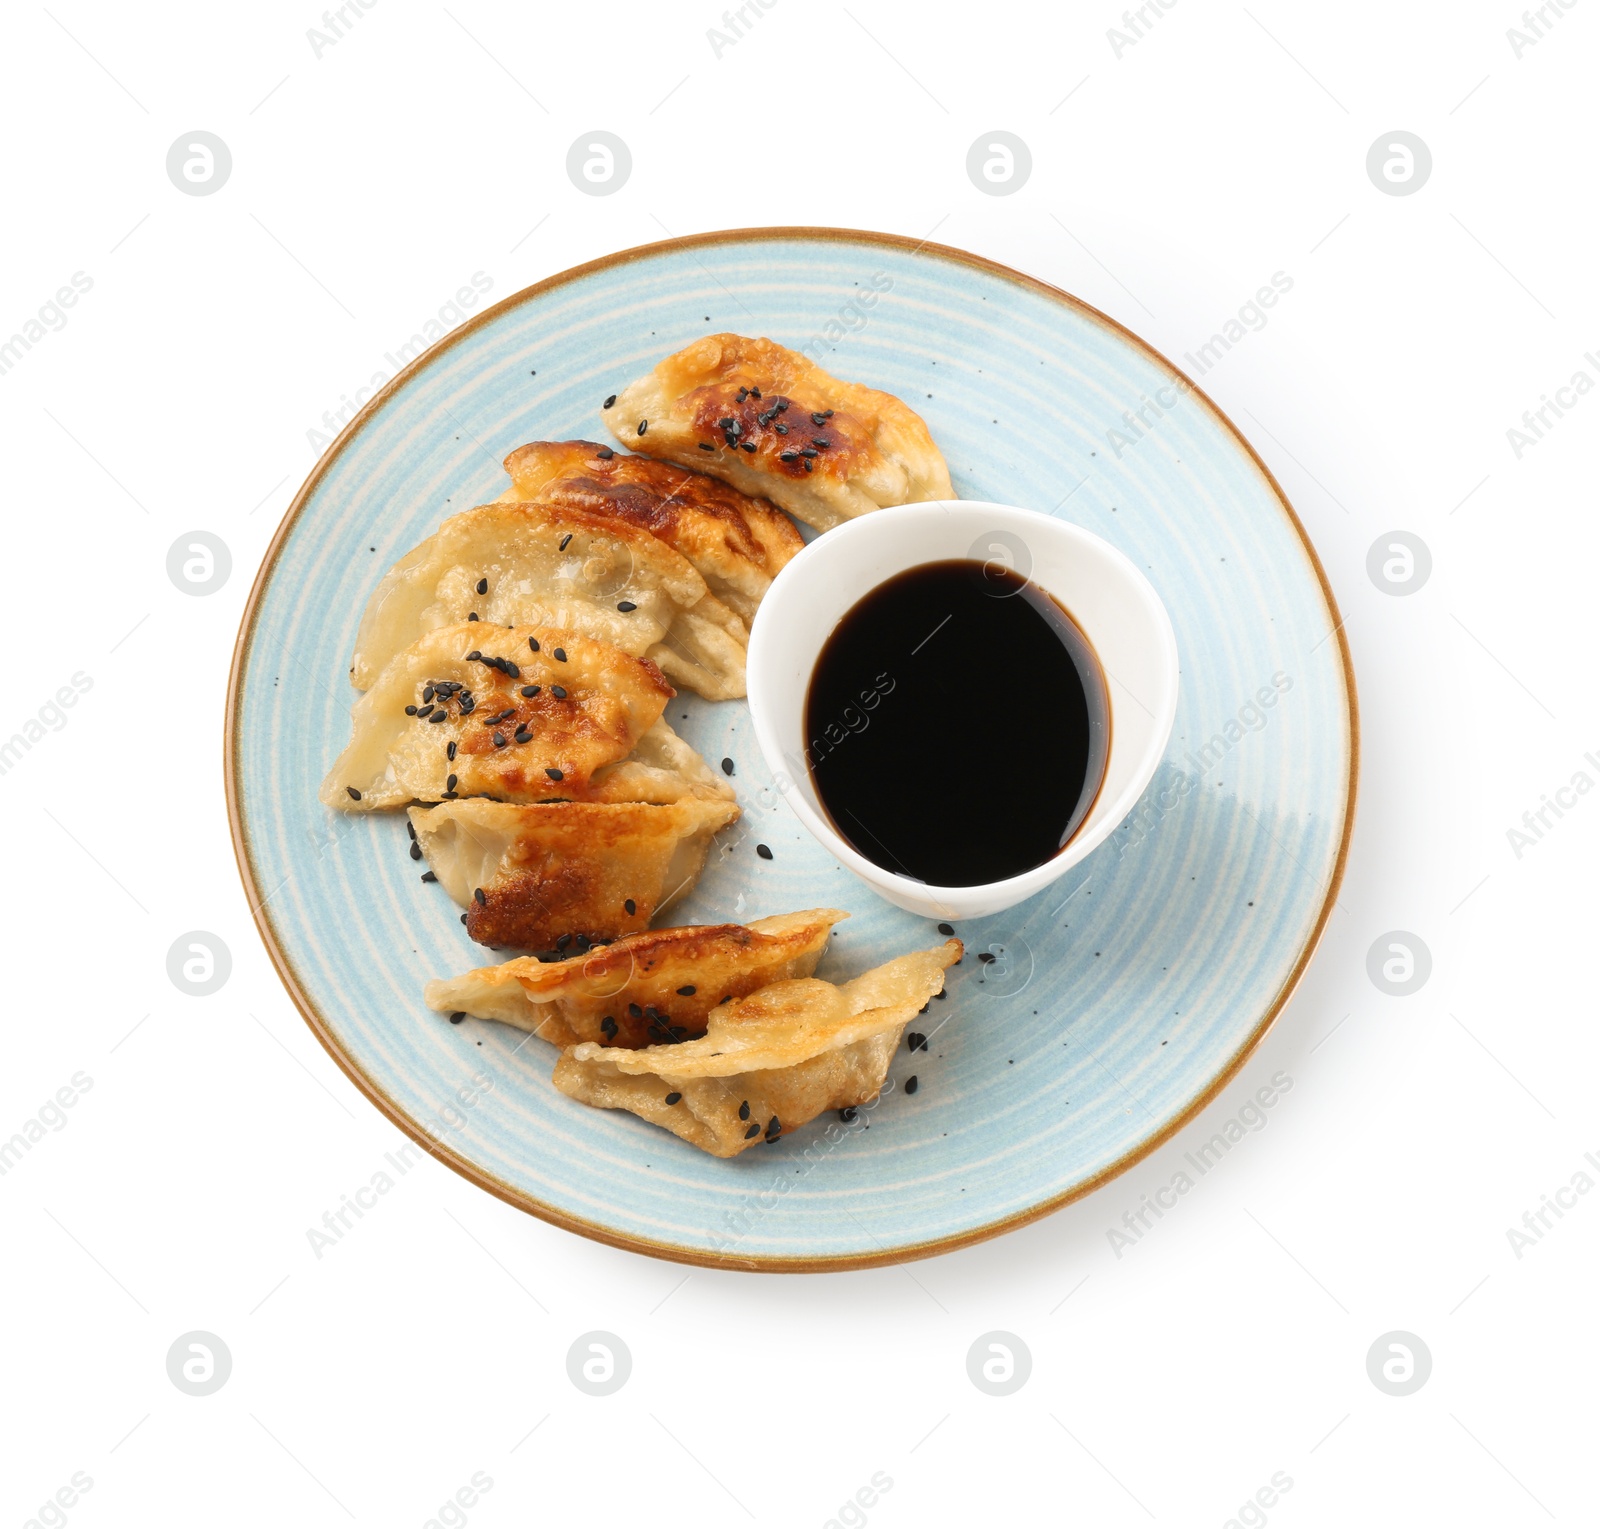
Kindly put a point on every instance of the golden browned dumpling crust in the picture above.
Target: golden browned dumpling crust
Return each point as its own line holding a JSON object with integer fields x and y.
{"x": 767, "y": 1063}
{"x": 520, "y": 714}
{"x": 769, "y": 421}
{"x": 657, "y": 985}
{"x": 531, "y": 876}
{"x": 738, "y": 543}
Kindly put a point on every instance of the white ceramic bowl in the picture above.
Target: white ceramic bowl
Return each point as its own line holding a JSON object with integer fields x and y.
{"x": 1108, "y": 597}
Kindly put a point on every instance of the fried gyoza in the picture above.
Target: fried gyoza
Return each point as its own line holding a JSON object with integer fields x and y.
{"x": 530, "y": 875}
{"x": 737, "y": 543}
{"x": 769, "y": 421}
{"x": 767, "y": 1063}
{"x": 650, "y": 986}
{"x": 470, "y": 686}
{"x": 549, "y": 565}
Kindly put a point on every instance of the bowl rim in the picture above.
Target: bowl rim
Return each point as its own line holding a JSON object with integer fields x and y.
{"x": 1094, "y": 830}
{"x": 259, "y": 897}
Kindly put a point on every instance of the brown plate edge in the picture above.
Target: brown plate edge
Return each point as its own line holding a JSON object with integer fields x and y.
{"x": 670, "y": 1251}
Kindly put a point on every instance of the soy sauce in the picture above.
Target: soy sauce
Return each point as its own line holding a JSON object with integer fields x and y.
{"x": 957, "y": 724}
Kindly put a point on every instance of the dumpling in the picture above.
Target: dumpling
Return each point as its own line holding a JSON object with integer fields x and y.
{"x": 645, "y": 987}
{"x": 767, "y": 1063}
{"x": 769, "y": 421}
{"x": 558, "y": 566}
{"x": 521, "y": 714}
{"x": 531, "y": 876}
{"x": 737, "y": 543}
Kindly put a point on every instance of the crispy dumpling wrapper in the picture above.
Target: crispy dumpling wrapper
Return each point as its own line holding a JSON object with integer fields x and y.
{"x": 508, "y": 746}
{"x": 551, "y": 565}
{"x": 633, "y": 992}
{"x": 738, "y": 544}
{"x": 767, "y": 1063}
{"x": 769, "y": 421}
{"x": 551, "y": 871}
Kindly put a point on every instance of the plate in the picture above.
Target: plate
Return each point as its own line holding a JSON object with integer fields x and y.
{"x": 1117, "y": 1003}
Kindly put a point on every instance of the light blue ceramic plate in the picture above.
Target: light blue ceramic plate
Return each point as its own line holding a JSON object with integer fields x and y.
{"x": 1120, "y": 1000}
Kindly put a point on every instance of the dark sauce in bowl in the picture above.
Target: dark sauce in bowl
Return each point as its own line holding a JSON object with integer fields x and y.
{"x": 957, "y": 725}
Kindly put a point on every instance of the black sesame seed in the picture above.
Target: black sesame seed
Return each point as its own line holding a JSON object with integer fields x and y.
{"x": 911, "y": 1084}
{"x": 605, "y": 453}
{"x": 529, "y": 691}
{"x": 747, "y": 445}
{"x": 727, "y": 767}
{"x": 755, "y": 392}
{"x": 635, "y": 1011}
{"x": 416, "y": 852}
{"x": 430, "y": 876}
{"x": 808, "y": 464}
{"x": 848, "y": 1114}
{"x": 744, "y": 1110}
{"x": 817, "y": 419}
{"x": 559, "y": 654}
{"x": 558, "y": 692}
{"x": 781, "y": 429}
{"x": 808, "y": 452}
{"x": 609, "y": 402}
{"x": 509, "y": 669}
{"x": 552, "y": 772}
{"x": 411, "y": 711}
{"x": 450, "y": 783}
{"x": 763, "y": 851}
{"x": 466, "y": 702}
{"x": 354, "y": 795}
{"x": 755, "y": 1130}
{"x": 916, "y": 1042}
{"x": 427, "y": 692}
{"x": 788, "y": 456}
{"x": 478, "y": 897}
{"x": 411, "y": 828}
{"x": 458, "y": 1016}
{"x": 474, "y": 656}
{"x": 827, "y": 413}
{"x": 472, "y": 616}
{"x": 945, "y": 929}
{"x": 725, "y": 423}
{"x": 533, "y": 644}
{"x": 686, "y": 992}
{"x": 450, "y": 749}
{"x": 986, "y": 956}
{"x": 644, "y": 425}
{"x": 626, "y": 605}
{"x": 608, "y": 1026}
{"x": 483, "y": 586}
{"x": 773, "y": 1127}
{"x": 674, "y": 1097}
{"x": 440, "y": 716}
{"x": 705, "y": 445}
{"x": 743, "y": 394}
{"x": 632, "y": 907}
{"x": 522, "y": 735}
{"x": 564, "y": 540}
{"x": 499, "y": 740}
{"x": 562, "y": 941}
{"x": 820, "y": 443}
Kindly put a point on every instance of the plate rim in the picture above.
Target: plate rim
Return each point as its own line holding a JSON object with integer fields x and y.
{"x": 673, "y": 1252}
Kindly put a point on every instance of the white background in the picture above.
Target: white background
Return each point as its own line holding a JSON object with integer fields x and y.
{"x": 1168, "y": 183}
